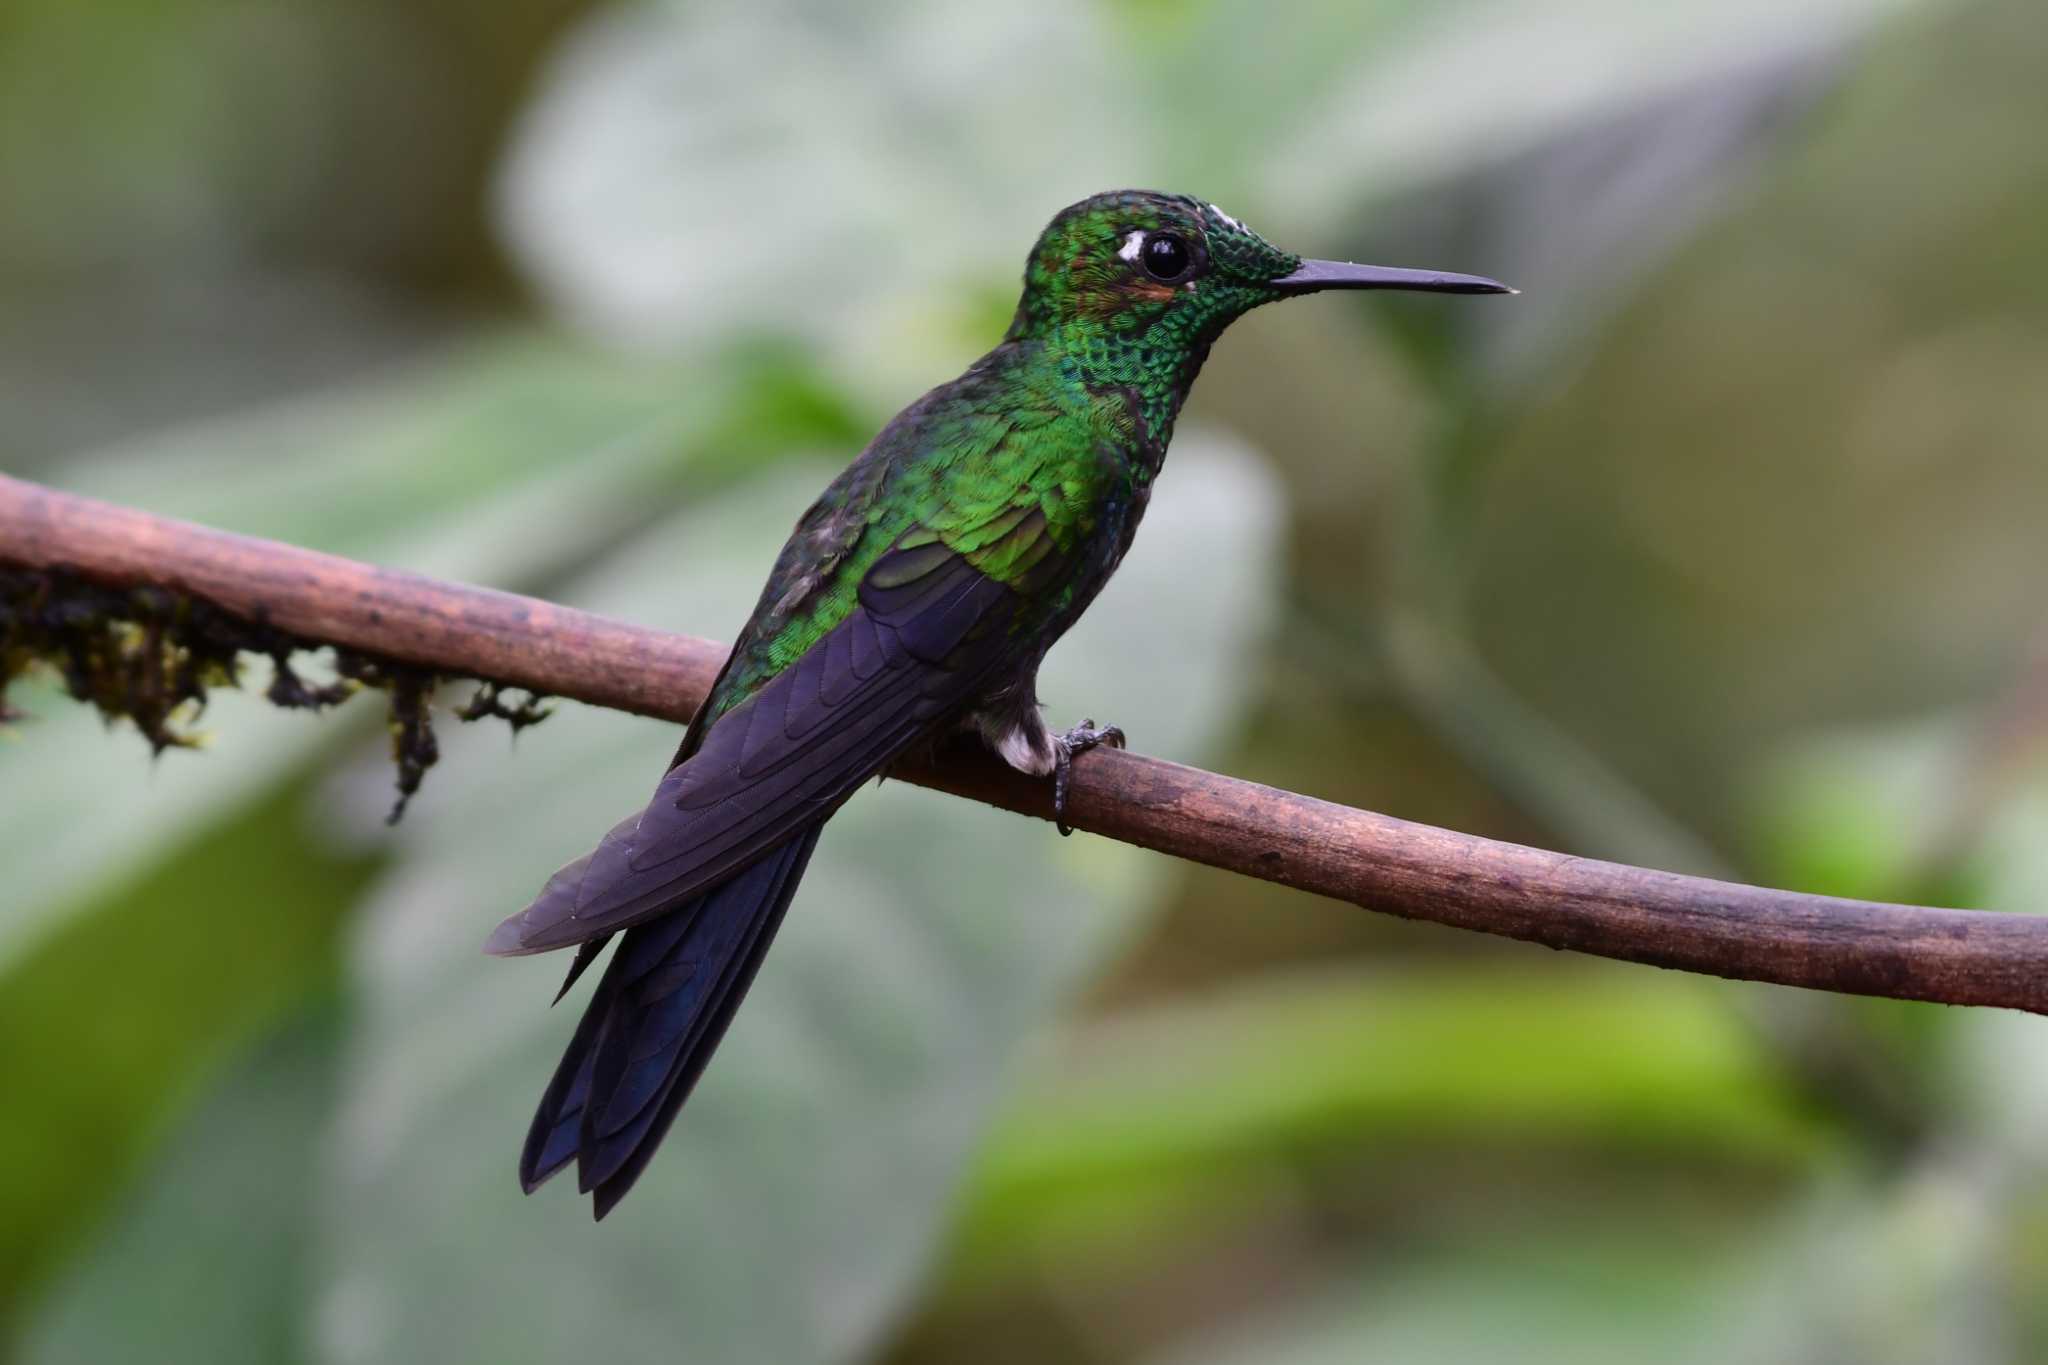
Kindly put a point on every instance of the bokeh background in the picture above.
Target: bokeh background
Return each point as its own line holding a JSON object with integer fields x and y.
{"x": 1721, "y": 549}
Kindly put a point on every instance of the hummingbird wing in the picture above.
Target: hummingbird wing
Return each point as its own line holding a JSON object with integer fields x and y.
{"x": 923, "y": 638}
{"x": 926, "y": 629}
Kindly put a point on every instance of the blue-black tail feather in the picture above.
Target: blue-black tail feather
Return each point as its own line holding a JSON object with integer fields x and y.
{"x": 656, "y": 1017}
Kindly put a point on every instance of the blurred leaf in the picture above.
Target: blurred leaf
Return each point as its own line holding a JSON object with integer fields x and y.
{"x": 208, "y": 1260}
{"x": 694, "y": 171}
{"x": 1470, "y": 85}
{"x": 1889, "y": 1276}
{"x": 1627, "y": 1296}
{"x": 799, "y": 1197}
{"x": 1155, "y": 1115}
{"x": 389, "y": 465}
{"x": 126, "y": 1009}
{"x": 1861, "y": 813}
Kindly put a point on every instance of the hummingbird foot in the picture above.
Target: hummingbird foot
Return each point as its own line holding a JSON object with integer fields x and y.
{"x": 1065, "y": 748}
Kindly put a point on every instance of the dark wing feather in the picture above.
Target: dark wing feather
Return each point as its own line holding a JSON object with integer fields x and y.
{"x": 927, "y": 634}
{"x": 652, "y": 1025}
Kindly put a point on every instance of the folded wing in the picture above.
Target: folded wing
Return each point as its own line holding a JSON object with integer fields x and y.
{"x": 928, "y": 633}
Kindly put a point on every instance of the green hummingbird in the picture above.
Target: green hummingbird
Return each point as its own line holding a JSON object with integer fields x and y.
{"x": 915, "y": 599}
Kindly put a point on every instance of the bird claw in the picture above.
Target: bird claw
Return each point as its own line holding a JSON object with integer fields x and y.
{"x": 1065, "y": 748}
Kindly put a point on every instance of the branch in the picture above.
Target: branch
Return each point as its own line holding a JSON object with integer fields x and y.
{"x": 1961, "y": 957}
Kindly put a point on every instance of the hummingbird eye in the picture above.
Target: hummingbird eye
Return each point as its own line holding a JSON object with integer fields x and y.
{"x": 1166, "y": 257}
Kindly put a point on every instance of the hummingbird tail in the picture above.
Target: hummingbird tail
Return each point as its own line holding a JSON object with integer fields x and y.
{"x": 654, "y": 1021}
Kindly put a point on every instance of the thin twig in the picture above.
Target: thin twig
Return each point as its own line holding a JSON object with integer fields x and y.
{"x": 1962, "y": 957}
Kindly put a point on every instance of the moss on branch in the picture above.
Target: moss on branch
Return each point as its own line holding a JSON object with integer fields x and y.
{"x": 151, "y": 656}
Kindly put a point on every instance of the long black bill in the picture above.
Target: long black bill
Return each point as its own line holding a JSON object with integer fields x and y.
{"x": 1315, "y": 275}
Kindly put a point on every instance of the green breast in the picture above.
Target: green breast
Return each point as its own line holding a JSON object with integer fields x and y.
{"x": 1009, "y": 467}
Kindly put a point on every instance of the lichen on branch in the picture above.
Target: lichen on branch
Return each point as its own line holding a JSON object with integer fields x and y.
{"x": 150, "y": 656}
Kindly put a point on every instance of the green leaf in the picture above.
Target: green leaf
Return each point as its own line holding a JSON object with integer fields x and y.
{"x": 113, "y": 1020}
{"x": 207, "y": 1260}
{"x": 1163, "y": 1118}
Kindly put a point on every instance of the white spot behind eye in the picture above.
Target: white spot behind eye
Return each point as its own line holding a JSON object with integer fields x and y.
{"x": 1133, "y": 240}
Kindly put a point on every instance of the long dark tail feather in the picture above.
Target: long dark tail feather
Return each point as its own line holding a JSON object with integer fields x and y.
{"x": 586, "y": 953}
{"x": 657, "y": 1015}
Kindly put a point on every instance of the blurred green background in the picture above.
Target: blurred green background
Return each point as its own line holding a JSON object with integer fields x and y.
{"x": 1721, "y": 549}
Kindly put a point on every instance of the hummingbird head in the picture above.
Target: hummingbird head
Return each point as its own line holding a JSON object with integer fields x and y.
{"x": 1169, "y": 273}
{"x": 1131, "y": 288}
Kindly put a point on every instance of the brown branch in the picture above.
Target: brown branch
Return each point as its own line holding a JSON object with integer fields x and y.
{"x": 1962, "y": 957}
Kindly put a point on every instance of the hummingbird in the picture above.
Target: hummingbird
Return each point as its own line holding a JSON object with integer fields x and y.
{"x": 913, "y": 601}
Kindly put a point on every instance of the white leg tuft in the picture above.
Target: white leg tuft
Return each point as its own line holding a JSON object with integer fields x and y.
{"x": 1025, "y": 745}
